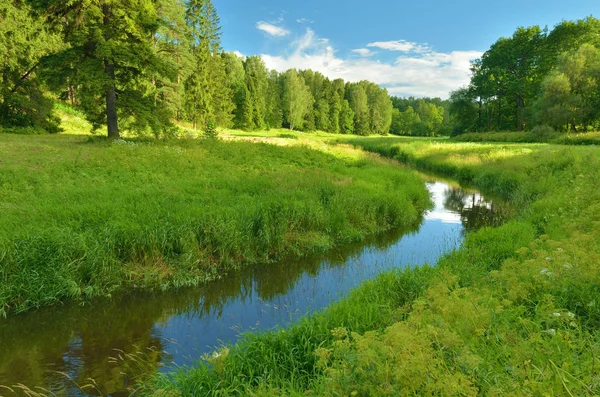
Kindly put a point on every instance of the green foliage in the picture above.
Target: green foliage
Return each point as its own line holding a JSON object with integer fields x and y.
{"x": 254, "y": 107}
{"x": 359, "y": 103}
{"x": 570, "y": 93}
{"x": 97, "y": 216}
{"x": 535, "y": 77}
{"x": 515, "y": 137}
{"x": 543, "y": 132}
{"x": 24, "y": 43}
{"x": 297, "y": 99}
{"x": 406, "y": 122}
{"x": 135, "y": 67}
{"x": 113, "y": 61}
{"x": 420, "y": 117}
{"x": 211, "y": 130}
{"x": 512, "y": 312}
{"x": 208, "y": 91}
{"x": 346, "y": 119}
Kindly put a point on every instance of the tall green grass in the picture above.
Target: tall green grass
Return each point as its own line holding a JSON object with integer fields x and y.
{"x": 585, "y": 138}
{"x": 83, "y": 217}
{"x": 514, "y": 312}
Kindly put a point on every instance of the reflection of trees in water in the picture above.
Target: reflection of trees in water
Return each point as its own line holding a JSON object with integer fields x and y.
{"x": 113, "y": 341}
{"x": 475, "y": 211}
{"x": 45, "y": 346}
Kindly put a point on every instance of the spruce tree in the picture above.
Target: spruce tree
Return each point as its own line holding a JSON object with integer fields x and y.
{"x": 346, "y": 118}
{"x": 112, "y": 60}
{"x": 236, "y": 81}
{"x": 24, "y": 43}
{"x": 297, "y": 100}
{"x": 274, "y": 116}
{"x": 207, "y": 92}
{"x": 255, "y": 104}
{"x": 359, "y": 103}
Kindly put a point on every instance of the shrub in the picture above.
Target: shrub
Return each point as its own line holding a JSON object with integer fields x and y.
{"x": 211, "y": 130}
{"x": 23, "y": 130}
{"x": 543, "y": 131}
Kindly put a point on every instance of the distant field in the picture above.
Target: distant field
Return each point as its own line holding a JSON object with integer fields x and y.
{"x": 588, "y": 138}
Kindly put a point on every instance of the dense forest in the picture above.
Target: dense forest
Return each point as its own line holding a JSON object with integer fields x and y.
{"x": 536, "y": 77}
{"x": 141, "y": 66}
{"x": 147, "y": 66}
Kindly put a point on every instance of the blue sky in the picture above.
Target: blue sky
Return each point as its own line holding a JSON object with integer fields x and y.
{"x": 419, "y": 47}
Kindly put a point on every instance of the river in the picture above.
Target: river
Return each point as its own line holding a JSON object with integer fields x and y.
{"x": 105, "y": 347}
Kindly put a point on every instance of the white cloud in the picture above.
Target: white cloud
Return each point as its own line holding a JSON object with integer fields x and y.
{"x": 304, "y": 20}
{"x": 364, "y": 52}
{"x": 427, "y": 73}
{"x": 239, "y": 54}
{"x": 271, "y": 29}
{"x": 400, "y": 45}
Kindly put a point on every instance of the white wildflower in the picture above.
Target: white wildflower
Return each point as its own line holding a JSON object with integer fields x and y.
{"x": 550, "y": 331}
{"x": 572, "y": 315}
{"x": 556, "y": 314}
{"x": 546, "y": 272}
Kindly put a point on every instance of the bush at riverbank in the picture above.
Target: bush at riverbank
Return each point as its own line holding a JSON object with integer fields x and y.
{"x": 83, "y": 217}
{"x": 515, "y": 312}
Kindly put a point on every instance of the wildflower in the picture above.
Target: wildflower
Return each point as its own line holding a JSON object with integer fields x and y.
{"x": 572, "y": 315}
{"x": 567, "y": 266}
{"x": 550, "y": 332}
{"x": 546, "y": 272}
{"x": 556, "y": 314}
{"x": 559, "y": 249}
{"x": 548, "y": 259}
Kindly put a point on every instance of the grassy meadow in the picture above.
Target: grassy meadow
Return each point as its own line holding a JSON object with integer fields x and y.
{"x": 84, "y": 216}
{"x": 514, "y": 312}
{"x": 584, "y": 138}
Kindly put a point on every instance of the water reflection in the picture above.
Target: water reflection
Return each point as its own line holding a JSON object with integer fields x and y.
{"x": 107, "y": 346}
{"x": 474, "y": 210}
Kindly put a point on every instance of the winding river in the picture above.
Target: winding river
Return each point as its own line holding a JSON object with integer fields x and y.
{"x": 105, "y": 347}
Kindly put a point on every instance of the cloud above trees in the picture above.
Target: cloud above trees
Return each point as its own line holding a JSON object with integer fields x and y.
{"x": 417, "y": 71}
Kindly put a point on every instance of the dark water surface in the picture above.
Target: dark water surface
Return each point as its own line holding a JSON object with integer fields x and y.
{"x": 103, "y": 348}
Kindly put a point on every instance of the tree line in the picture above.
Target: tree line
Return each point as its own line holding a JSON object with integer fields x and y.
{"x": 536, "y": 77}
{"x": 140, "y": 65}
{"x": 420, "y": 116}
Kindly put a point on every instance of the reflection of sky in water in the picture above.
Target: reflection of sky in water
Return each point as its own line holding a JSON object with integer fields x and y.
{"x": 439, "y": 213}
{"x": 79, "y": 340}
{"x": 191, "y": 337}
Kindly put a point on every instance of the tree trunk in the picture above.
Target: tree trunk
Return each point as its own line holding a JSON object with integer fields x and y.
{"x": 111, "y": 90}
{"x": 520, "y": 113}
{"x": 499, "y": 113}
{"x": 111, "y": 102}
{"x": 479, "y": 123}
{"x": 72, "y": 94}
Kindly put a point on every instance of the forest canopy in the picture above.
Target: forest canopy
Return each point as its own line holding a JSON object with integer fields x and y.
{"x": 142, "y": 65}
{"x": 145, "y": 66}
{"x": 536, "y": 77}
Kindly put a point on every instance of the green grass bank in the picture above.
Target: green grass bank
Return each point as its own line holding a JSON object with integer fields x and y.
{"x": 84, "y": 217}
{"x": 514, "y": 312}
{"x": 577, "y": 139}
